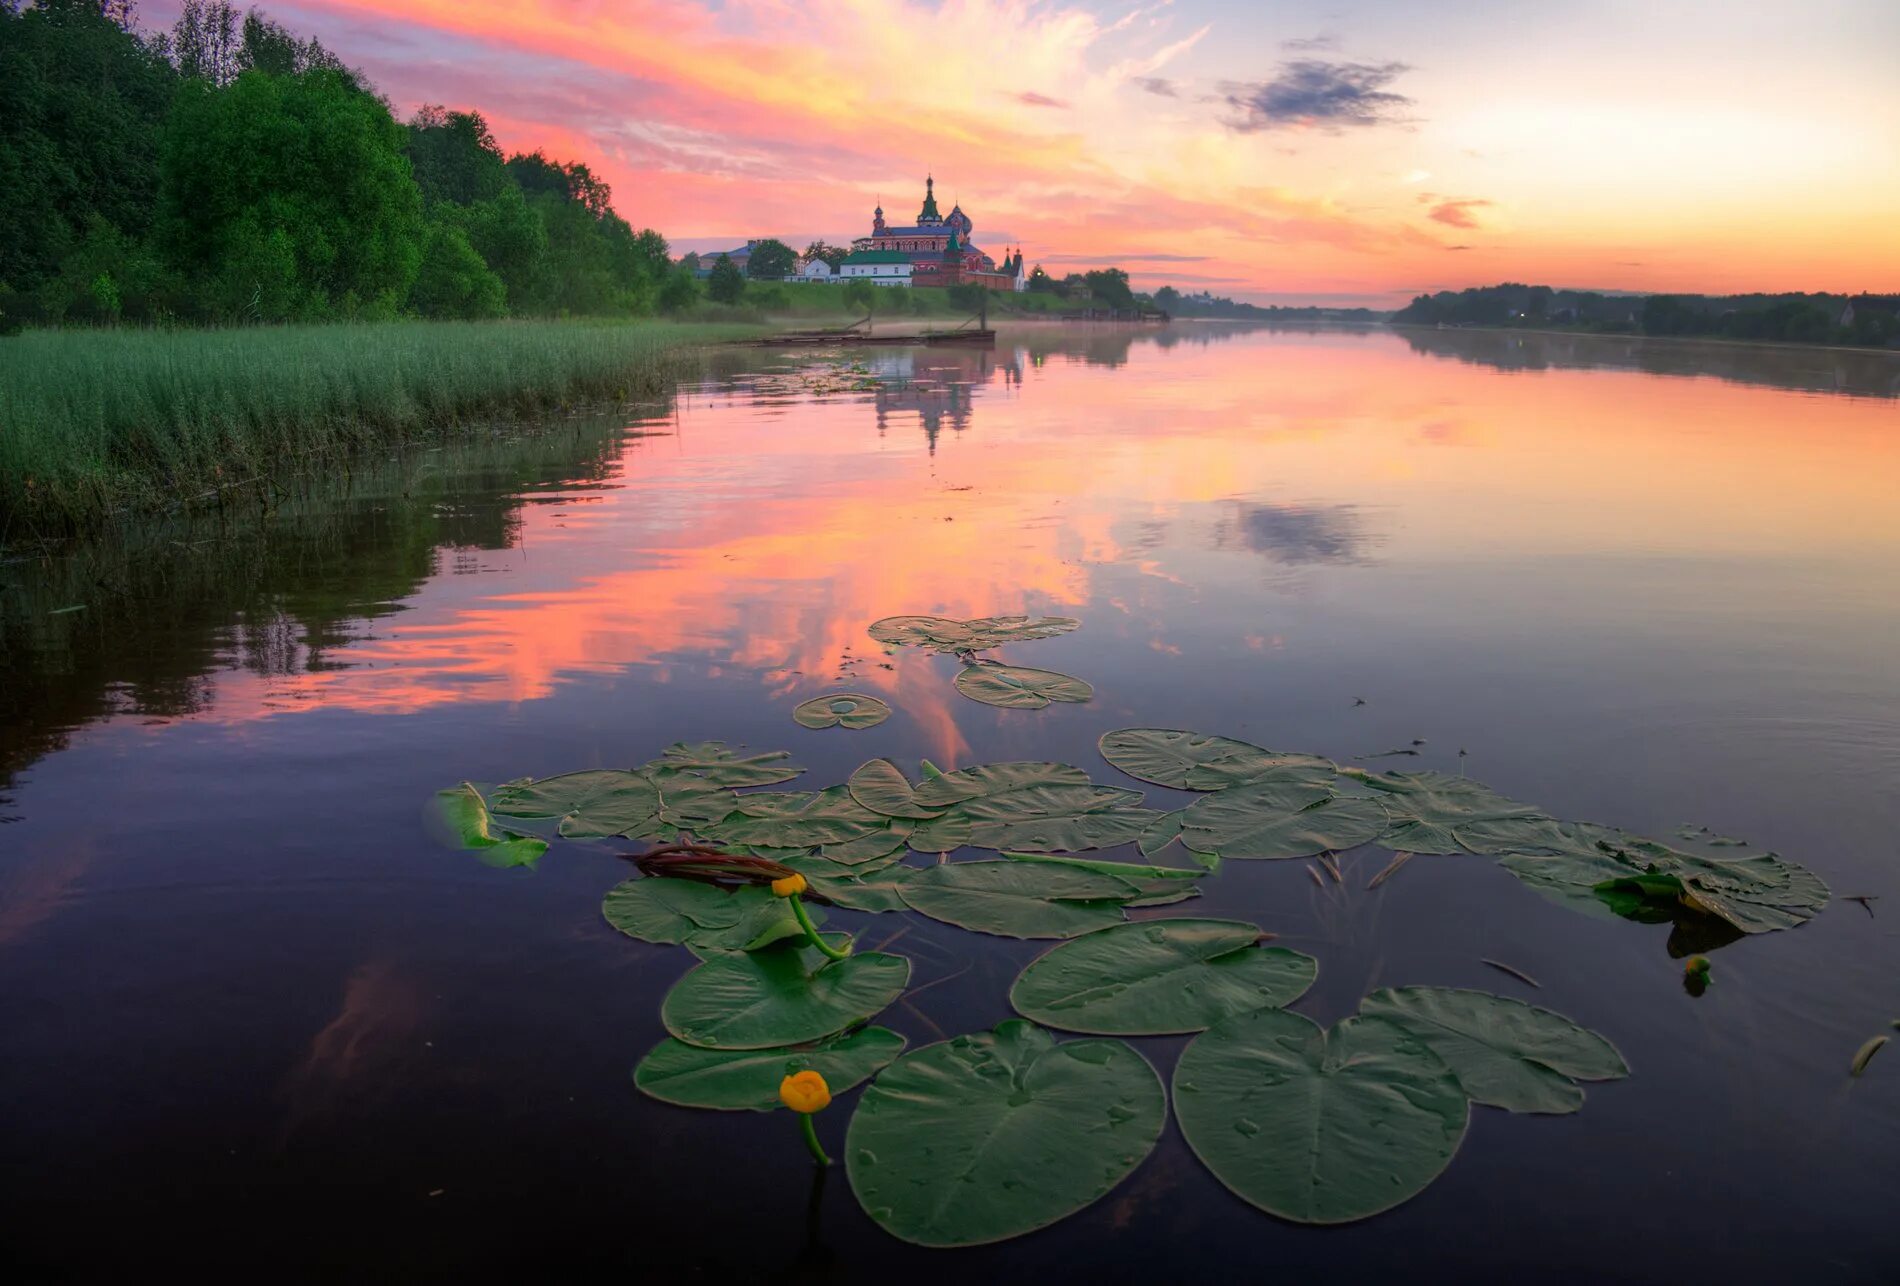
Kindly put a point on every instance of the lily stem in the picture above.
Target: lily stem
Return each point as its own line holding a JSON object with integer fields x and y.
{"x": 811, "y": 1139}
{"x": 811, "y": 932}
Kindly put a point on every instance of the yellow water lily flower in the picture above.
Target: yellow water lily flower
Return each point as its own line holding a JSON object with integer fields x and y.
{"x": 805, "y": 1092}
{"x": 793, "y": 883}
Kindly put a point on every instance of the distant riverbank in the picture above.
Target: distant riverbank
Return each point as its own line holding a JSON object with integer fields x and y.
{"x": 1722, "y": 341}
{"x": 102, "y": 422}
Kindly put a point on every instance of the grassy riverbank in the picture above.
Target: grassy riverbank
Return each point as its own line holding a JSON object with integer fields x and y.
{"x": 94, "y": 422}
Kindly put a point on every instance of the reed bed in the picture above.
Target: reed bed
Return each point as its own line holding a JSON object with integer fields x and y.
{"x": 94, "y": 423}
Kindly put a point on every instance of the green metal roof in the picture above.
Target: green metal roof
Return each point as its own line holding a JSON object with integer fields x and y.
{"x": 877, "y": 256}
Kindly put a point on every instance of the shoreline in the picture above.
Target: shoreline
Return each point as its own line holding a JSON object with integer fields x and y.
{"x": 1777, "y": 345}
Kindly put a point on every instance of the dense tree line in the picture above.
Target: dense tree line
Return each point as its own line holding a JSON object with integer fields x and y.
{"x": 226, "y": 170}
{"x": 1864, "y": 320}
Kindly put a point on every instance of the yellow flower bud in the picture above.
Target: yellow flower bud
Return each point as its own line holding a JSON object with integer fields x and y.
{"x": 805, "y": 1092}
{"x": 791, "y": 884}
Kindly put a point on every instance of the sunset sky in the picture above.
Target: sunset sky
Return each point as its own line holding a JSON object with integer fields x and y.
{"x": 1301, "y": 151}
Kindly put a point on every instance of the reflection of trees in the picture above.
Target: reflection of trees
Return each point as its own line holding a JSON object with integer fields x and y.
{"x": 1293, "y": 534}
{"x": 1811, "y": 369}
{"x": 167, "y": 604}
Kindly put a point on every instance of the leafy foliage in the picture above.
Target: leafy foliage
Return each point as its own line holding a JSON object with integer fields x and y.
{"x": 747, "y": 1080}
{"x": 988, "y": 1136}
{"x": 781, "y": 996}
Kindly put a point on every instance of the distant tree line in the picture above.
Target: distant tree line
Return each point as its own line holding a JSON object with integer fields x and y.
{"x": 1177, "y": 304}
{"x": 1863, "y": 320}
{"x": 227, "y": 170}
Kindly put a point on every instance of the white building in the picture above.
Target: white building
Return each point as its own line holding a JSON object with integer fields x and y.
{"x": 879, "y": 267}
{"x": 816, "y": 271}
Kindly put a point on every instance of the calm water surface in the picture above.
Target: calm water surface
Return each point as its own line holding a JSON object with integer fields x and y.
{"x": 256, "y": 1021}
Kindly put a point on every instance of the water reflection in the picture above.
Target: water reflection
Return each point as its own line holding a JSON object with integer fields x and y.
{"x": 1810, "y": 368}
{"x": 1295, "y": 534}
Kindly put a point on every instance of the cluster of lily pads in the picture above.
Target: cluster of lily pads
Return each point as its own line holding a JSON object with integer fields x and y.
{"x": 985, "y": 679}
{"x": 993, "y": 1134}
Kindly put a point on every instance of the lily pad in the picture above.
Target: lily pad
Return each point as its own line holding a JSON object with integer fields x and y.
{"x": 1314, "y": 1126}
{"x": 943, "y": 634}
{"x": 782, "y": 996}
{"x": 1429, "y": 809}
{"x": 1056, "y": 819}
{"x": 472, "y": 829}
{"x": 1159, "y": 977}
{"x": 1271, "y": 819}
{"x": 689, "y": 913}
{"x": 595, "y": 803}
{"x": 989, "y": 1136}
{"x": 798, "y": 819}
{"x": 881, "y": 787}
{"x": 721, "y": 765}
{"x": 993, "y": 779}
{"x": 845, "y": 710}
{"x": 1195, "y": 761}
{"x": 1016, "y": 687}
{"x": 1017, "y": 899}
{"x": 1504, "y": 1052}
{"x": 747, "y": 1080}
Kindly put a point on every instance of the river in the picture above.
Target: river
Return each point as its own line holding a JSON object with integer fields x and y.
{"x": 256, "y": 1017}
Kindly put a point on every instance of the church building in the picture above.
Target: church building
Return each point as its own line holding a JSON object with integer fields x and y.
{"x": 939, "y": 249}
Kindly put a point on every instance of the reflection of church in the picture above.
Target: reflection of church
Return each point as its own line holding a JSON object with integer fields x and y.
{"x": 939, "y": 248}
{"x": 939, "y": 386}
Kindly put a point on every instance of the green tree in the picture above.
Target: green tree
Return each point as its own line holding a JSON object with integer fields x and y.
{"x": 453, "y": 281}
{"x": 82, "y": 97}
{"x": 727, "y": 283}
{"x": 1041, "y": 281}
{"x": 679, "y": 291}
{"x": 455, "y": 157}
{"x": 1168, "y": 299}
{"x": 771, "y": 261}
{"x": 833, "y": 255}
{"x": 306, "y": 161}
{"x": 510, "y": 237}
{"x": 1110, "y": 285}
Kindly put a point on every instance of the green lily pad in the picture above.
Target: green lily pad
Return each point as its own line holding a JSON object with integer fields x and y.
{"x": 798, "y": 819}
{"x": 747, "y": 1080}
{"x": 1271, "y": 819}
{"x": 989, "y": 1136}
{"x": 1314, "y": 1126}
{"x": 993, "y": 779}
{"x": 1504, "y": 1052}
{"x": 1016, "y": 687}
{"x": 1159, "y": 977}
{"x": 1597, "y": 868}
{"x": 886, "y": 841}
{"x": 472, "y": 829}
{"x": 1195, "y": 761}
{"x": 721, "y": 765}
{"x": 942, "y": 634}
{"x": 845, "y": 710}
{"x": 1055, "y": 819}
{"x": 881, "y": 787}
{"x": 689, "y": 913}
{"x": 1429, "y": 809}
{"x": 782, "y": 996}
{"x": 599, "y": 802}
{"x": 1017, "y": 899}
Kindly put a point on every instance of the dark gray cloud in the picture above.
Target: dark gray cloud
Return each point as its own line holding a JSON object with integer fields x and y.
{"x": 1310, "y": 44}
{"x": 1313, "y": 94}
{"x": 1294, "y": 534}
{"x": 1158, "y": 85}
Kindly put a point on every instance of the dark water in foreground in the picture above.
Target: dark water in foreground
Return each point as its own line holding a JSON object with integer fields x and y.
{"x": 253, "y": 1021}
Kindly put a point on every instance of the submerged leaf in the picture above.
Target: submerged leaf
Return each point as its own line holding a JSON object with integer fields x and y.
{"x": 472, "y": 829}
{"x": 1195, "y": 761}
{"x": 1315, "y": 1126}
{"x": 942, "y": 634}
{"x": 1017, "y": 687}
{"x": 721, "y": 765}
{"x": 1017, "y": 899}
{"x": 989, "y": 1136}
{"x": 845, "y": 710}
{"x": 1159, "y": 977}
{"x": 1430, "y": 809}
{"x": 748, "y": 1080}
{"x": 1270, "y": 819}
{"x": 1504, "y": 1052}
{"x": 782, "y": 996}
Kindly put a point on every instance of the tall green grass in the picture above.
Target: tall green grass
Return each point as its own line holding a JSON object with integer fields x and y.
{"x": 96, "y": 422}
